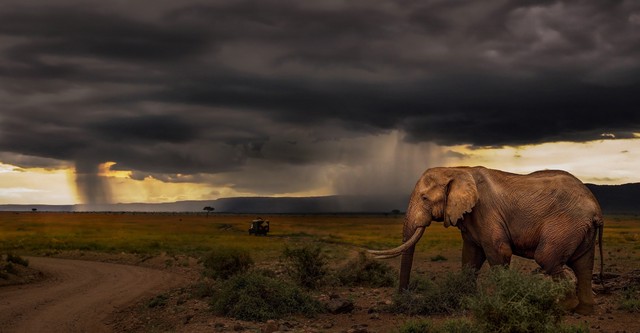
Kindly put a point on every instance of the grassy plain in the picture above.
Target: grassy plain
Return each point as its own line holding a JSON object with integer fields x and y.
{"x": 196, "y": 234}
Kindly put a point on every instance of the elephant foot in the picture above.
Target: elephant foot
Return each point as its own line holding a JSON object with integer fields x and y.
{"x": 569, "y": 303}
{"x": 584, "y": 309}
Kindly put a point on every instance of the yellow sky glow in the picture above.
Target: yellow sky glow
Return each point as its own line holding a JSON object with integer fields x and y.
{"x": 599, "y": 162}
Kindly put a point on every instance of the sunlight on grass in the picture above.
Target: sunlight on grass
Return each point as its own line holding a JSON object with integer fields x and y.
{"x": 196, "y": 234}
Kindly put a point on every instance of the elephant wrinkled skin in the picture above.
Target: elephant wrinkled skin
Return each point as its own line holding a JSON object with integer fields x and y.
{"x": 548, "y": 216}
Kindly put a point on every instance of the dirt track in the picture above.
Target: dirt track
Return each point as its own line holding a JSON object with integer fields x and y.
{"x": 77, "y": 296}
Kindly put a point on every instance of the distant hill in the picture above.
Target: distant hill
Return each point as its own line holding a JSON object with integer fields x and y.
{"x": 614, "y": 199}
{"x": 264, "y": 205}
{"x": 618, "y": 199}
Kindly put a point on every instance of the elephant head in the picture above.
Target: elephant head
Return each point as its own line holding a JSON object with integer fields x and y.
{"x": 441, "y": 195}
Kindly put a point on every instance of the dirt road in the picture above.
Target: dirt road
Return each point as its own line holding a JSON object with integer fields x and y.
{"x": 77, "y": 296}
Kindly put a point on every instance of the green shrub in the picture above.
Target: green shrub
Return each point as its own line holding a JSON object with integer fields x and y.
{"x": 9, "y": 268}
{"x": 459, "y": 325}
{"x": 630, "y": 300}
{"x": 17, "y": 260}
{"x": 226, "y": 262}
{"x": 158, "y": 301}
{"x": 256, "y": 297}
{"x": 439, "y": 257}
{"x": 508, "y": 301}
{"x": 417, "y": 326}
{"x": 426, "y": 297}
{"x": 306, "y": 265}
{"x": 565, "y": 328}
{"x": 363, "y": 271}
{"x": 203, "y": 289}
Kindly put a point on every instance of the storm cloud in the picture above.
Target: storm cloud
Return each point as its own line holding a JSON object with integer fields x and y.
{"x": 210, "y": 90}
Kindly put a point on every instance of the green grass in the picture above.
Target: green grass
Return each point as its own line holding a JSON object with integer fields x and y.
{"x": 508, "y": 301}
{"x": 196, "y": 233}
{"x": 365, "y": 271}
{"x": 630, "y": 298}
{"x": 223, "y": 263}
{"x": 257, "y": 297}
{"x": 306, "y": 265}
{"x": 445, "y": 295}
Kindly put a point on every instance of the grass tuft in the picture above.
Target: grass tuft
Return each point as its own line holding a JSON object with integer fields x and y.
{"x": 306, "y": 265}
{"x": 203, "y": 289}
{"x": 158, "y": 301}
{"x": 443, "y": 296}
{"x": 439, "y": 257}
{"x": 417, "y": 326}
{"x": 226, "y": 262}
{"x": 17, "y": 260}
{"x": 506, "y": 302}
{"x": 364, "y": 271}
{"x": 256, "y": 297}
{"x": 509, "y": 301}
{"x": 630, "y": 299}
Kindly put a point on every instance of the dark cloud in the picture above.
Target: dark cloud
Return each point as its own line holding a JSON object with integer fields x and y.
{"x": 167, "y": 89}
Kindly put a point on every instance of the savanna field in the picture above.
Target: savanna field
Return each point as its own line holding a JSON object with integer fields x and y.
{"x": 185, "y": 244}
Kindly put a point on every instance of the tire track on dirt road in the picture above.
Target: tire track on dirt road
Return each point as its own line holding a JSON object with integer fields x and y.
{"x": 77, "y": 296}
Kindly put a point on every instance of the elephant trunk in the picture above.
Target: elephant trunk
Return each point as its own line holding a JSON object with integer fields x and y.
{"x": 415, "y": 223}
{"x": 405, "y": 267}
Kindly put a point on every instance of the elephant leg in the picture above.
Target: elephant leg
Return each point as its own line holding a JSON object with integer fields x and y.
{"x": 583, "y": 269}
{"x": 552, "y": 263}
{"x": 472, "y": 256}
{"x": 499, "y": 254}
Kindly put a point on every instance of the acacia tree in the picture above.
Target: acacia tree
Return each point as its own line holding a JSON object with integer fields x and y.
{"x": 209, "y": 209}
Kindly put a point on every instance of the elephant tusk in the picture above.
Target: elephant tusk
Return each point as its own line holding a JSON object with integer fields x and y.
{"x": 386, "y": 254}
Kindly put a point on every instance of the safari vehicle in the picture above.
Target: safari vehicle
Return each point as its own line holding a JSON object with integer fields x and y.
{"x": 259, "y": 227}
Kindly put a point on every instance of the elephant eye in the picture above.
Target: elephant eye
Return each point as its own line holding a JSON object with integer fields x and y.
{"x": 424, "y": 197}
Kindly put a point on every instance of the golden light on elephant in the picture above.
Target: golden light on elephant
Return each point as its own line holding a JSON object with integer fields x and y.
{"x": 548, "y": 216}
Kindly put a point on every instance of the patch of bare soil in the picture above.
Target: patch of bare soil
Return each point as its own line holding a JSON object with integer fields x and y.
{"x": 77, "y": 295}
{"x": 14, "y": 274}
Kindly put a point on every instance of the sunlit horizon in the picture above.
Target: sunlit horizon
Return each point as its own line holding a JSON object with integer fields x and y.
{"x": 603, "y": 162}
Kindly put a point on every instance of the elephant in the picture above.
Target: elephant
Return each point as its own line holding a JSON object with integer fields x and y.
{"x": 549, "y": 216}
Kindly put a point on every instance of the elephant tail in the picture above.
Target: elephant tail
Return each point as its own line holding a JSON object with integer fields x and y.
{"x": 599, "y": 229}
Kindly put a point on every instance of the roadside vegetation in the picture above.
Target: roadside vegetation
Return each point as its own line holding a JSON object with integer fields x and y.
{"x": 9, "y": 263}
{"x": 305, "y": 259}
{"x": 504, "y": 301}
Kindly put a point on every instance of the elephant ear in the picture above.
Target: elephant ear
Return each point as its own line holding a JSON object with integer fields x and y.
{"x": 461, "y": 197}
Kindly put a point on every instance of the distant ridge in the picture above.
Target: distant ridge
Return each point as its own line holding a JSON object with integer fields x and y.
{"x": 614, "y": 199}
{"x": 249, "y": 205}
{"x": 618, "y": 199}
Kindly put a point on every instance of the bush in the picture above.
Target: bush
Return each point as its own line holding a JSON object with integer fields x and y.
{"x": 508, "y": 301}
{"x": 439, "y": 257}
{"x": 158, "y": 301}
{"x": 226, "y": 262}
{"x": 630, "y": 299}
{"x": 417, "y": 326}
{"x": 426, "y": 297}
{"x": 257, "y": 297}
{"x": 203, "y": 289}
{"x": 9, "y": 268}
{"x": 459, "y": 325}
{"x": 306, "y": 265}
{"x": 363, "y": 271}
{"x": 17, "y": 260}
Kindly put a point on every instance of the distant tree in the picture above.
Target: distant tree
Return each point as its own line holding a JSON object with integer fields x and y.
{"x": 34, "y": 209}
{"x": 395, "y": 211}
{"x": 209, "y": 209}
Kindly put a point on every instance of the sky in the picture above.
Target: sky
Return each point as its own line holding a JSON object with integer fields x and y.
{"x": 156, "y": 101}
